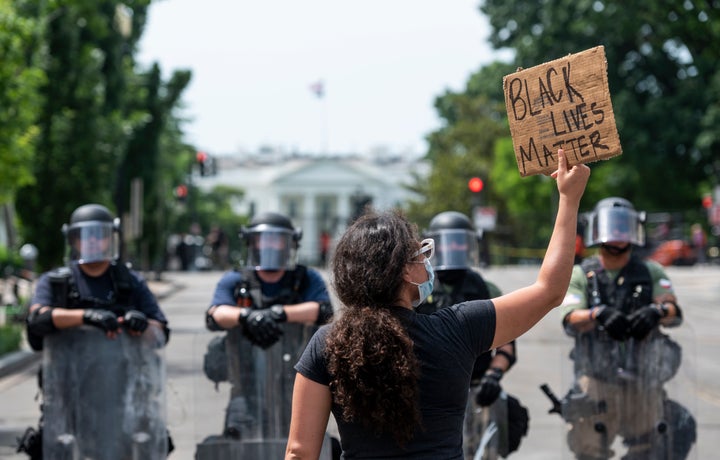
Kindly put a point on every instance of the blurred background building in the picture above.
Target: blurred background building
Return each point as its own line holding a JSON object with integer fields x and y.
{"x": 321, "y": 195}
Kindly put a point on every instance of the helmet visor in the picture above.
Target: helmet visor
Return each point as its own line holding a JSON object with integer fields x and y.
{"x": 454, "y": 249}
{"x": 92, "y": 241}
{"x": 615, "y": 225}
{"x": 271, "y": 249}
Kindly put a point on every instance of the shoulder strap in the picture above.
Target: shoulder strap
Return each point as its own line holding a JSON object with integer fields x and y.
{"x": 595, "y": 288}
{"x": 248, "y": 285}
{"x": 300, "y": 280}
{"x": 62, "y": 284}
{"x": 636, "y": 289}
{"x": 122, "y": 283}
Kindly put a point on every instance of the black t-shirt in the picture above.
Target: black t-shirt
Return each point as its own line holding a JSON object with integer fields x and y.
{"x": 447, "y": 343}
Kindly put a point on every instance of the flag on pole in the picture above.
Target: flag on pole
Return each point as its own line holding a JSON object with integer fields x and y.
{"x": 318, "y": 88}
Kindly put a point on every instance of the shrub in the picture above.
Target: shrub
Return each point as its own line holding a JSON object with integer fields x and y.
{"x": 10, "y": 337}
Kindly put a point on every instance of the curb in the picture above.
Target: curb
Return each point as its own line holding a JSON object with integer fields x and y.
{"x": 13, "y": 362}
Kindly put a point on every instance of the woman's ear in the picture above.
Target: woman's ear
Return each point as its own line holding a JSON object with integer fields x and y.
{"x": 406, "y": 274}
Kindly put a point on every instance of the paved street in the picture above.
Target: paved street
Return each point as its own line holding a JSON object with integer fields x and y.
{"x": 196, "y": 410}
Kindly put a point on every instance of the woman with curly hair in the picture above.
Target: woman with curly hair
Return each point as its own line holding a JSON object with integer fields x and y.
{"x": 397, "y": 382}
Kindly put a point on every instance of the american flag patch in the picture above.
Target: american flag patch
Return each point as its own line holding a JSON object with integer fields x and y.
{"x": 571, "y": 299}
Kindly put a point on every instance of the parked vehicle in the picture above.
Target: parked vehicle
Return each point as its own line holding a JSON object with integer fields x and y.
{"x": 674, "y": 252}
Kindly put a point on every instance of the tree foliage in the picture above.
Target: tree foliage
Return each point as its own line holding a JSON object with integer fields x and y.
{"x": 463, "y": 147}
{"x": 144, "y": 157}
{"x": 664, "y": 77}
{"x": 20, "y": 77}
{"x": 662, "y": 59}
{"x": 100, "y": 120}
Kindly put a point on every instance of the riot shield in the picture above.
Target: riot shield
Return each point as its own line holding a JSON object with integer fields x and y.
{"x": 258, "y": 394}
{"x": 632, "y": 399}
{"x": 485, "y": 430}
{"x": 104, "y": 399}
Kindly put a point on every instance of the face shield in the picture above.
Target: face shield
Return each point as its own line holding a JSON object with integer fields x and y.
{"x": 272, "y": 248}
{"x": 92, "y": 241}
{"x": 454, "y": 249}
{"x": 615, "y": 225}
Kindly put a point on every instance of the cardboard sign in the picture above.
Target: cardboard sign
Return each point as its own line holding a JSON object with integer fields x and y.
{"x": 565, "y": 104}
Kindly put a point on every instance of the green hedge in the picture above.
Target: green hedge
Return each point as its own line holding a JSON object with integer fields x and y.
{"x": 10, "y": 261}
{"x": 10, "y": 337}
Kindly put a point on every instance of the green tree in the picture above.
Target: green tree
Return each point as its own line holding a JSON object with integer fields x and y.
{"x": 663, "y": 61}
{"x": 462, "y": 148}
{"x": 100, "y": 121}
{"x": 144, "y": 157}
{"x": 83, "y": 123}
{"x": 20, "y": 78}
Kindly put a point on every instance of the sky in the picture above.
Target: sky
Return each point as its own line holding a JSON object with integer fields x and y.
{"x": 254, "y": 63}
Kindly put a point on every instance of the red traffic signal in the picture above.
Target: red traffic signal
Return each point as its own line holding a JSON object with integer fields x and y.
{"x": 475, "y": 184}
{"x": 707, "y": 201}
{"x": 181, "y": 191}
{"x": 201, "y": 157}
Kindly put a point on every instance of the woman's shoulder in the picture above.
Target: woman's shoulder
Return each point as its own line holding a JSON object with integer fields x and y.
{"x": 467, "y": 309}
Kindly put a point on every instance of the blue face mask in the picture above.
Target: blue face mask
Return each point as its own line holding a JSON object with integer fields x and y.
{"x": 426, "y": 287}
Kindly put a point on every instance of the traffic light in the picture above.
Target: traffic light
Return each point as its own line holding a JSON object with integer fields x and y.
{"x": 707, "y": 201}
{"x": 202, "y": 158}
{"x": 181, "y": 192}
{"x": 475, "y": 184}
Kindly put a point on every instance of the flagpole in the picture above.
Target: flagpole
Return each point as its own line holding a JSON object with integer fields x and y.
{"x": 324, "y": 124}
{"x": 318, "y": 88}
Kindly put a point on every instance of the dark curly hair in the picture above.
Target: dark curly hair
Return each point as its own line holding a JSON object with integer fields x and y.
{"x": 370, "y": 355}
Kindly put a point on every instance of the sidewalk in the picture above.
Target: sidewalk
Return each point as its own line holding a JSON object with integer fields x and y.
{"x": 12, "y": 362}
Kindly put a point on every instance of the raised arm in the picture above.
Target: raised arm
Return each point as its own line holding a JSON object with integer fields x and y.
{"x": 519, "y": 310}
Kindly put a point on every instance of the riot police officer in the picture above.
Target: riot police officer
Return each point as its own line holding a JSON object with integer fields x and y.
{"x": 270, "y": 308}
{"x": 613, "y": 309}
{"x": 454, "y": 261}
{"x": 75, "y": 309}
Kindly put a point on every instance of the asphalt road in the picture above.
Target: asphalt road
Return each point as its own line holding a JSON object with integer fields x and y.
{"x": 195, "y": 409}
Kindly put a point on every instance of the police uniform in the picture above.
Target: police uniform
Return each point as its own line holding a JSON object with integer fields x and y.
{"x": 621, "y": 358}
{"x": 104, "y": 291}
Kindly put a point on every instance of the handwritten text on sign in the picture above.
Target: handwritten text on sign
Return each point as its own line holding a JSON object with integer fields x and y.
{"x": 565, "y": 104}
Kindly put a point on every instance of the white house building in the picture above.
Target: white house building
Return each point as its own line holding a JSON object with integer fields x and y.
{"x": 318, "y": 194}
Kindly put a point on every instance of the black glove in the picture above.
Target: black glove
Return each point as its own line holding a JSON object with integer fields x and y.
{"x": 614, "y": 322}
{"x": 135, "y": 321}
{"x": 489, "y": 387}
{"x": 260, "y": 327}
{"x": 277, "y": 312}
{"x": 644, "y": 320}
{"x": 102, "y": 319}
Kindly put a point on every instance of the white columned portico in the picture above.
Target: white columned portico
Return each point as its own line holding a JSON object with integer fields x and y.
{"x": 343, "y": 211}
{"x": 309, "y": 250}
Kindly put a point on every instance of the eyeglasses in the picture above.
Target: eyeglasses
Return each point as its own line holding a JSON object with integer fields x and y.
{"x": 427, "y": 249}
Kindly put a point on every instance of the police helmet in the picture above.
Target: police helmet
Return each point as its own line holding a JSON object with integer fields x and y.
{"x": 614, "y": 220}
{"x": 456, "y": 241}
{"x": 271, "y": 242}
{"x": 92, "y": 234}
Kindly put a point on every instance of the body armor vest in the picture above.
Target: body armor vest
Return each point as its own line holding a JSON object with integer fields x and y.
{"x": 65, "y": 291}
{"x": 248, "y": 292}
